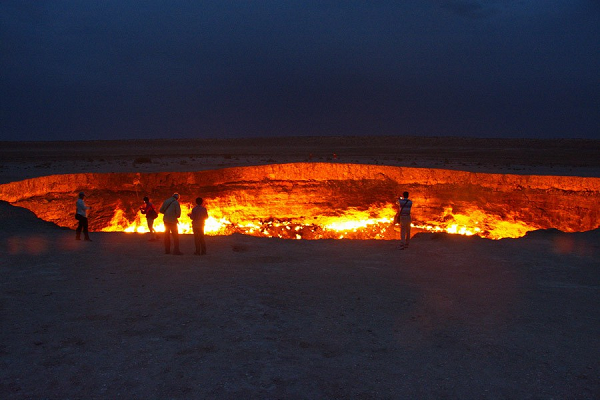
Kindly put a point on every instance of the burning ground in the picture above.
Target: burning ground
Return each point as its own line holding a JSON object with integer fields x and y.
{"x": 323, "y": 200}
{"x": 258, "y": 317}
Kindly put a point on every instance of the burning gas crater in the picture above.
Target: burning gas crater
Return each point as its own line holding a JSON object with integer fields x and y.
{"x": 321, "y": 201}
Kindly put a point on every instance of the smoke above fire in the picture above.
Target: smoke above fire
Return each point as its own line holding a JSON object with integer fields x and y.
{"x": 322, "y": 201}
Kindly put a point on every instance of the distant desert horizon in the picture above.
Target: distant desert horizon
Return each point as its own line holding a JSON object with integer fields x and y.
{"x": 568, "y": 157}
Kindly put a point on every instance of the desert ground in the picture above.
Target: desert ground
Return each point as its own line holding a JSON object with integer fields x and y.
{"x": 451, "y": 317}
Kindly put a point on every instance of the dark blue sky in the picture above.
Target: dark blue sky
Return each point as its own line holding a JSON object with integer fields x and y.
{"x": 159, "y": 69}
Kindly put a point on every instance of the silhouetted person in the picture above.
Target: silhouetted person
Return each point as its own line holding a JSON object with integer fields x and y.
{"x": 404, "y": 206}
{"x": 150, "y": 212}
{"x": 199, "y": 215}
{"x": 81, "y": 214}
{"x": 171, "y": 212}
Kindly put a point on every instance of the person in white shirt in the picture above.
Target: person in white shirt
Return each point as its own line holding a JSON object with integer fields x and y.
{"x": 81, "y": 214}
{"x": 404, "y": 206}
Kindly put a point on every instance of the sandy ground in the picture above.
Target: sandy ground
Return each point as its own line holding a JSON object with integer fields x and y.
{"x": 24, "y": 160}
{"x": 451, "y": 317}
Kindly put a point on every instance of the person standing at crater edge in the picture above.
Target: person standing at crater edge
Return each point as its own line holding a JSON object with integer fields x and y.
{"x": 171, "y": 211}
{"x": 151, "y": 214}
{"x": 199, "y": 215}
{"x": 81, "y": 215}
{"x": 403, "y": 217}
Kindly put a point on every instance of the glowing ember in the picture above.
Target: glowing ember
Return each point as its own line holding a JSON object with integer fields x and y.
{"x": 353, "y": 224}
{"x": 323, "y": 201}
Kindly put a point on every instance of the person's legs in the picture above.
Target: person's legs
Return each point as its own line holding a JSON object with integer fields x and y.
{"x": 202, "y": 242}
{"x": 167, "y": 238}
{"x": 196, "y": 239}
{"x": 404, "y": 231}
{"x": 199, "y": 239}
{"x": 175, "y": 239}
{"x": 151, "y": 228}
{"x": 79, "y": 227}
{"x": 402, "y": 234}
{"x": 84, "y": 222}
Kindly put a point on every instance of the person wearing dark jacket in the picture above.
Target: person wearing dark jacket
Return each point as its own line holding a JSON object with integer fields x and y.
{"x": 199, "y": 215}
{"x": 404, "y": 206}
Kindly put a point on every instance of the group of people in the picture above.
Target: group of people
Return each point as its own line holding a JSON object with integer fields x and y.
{"x": 171, "y": 211}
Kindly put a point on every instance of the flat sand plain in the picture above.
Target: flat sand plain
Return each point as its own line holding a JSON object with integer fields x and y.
{"x": 451, "y": 317}
{"x": 22, "y": 160}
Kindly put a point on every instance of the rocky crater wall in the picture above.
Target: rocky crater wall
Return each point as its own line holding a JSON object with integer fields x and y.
{"x": 311, "y": 189}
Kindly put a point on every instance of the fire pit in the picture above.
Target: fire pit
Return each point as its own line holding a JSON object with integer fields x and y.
{"x": 322, "y": 200}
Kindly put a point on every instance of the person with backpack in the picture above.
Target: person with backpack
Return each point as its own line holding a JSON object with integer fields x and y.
{"x": 404, "y": 219}
{"x": 171, "y": 211}
{"x": 150, "y": 212}
{"x": 199, "y": 215}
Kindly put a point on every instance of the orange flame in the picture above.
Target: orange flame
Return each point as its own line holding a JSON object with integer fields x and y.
{"x": 373, "y": 223}
{"x": 476, "y": 222}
